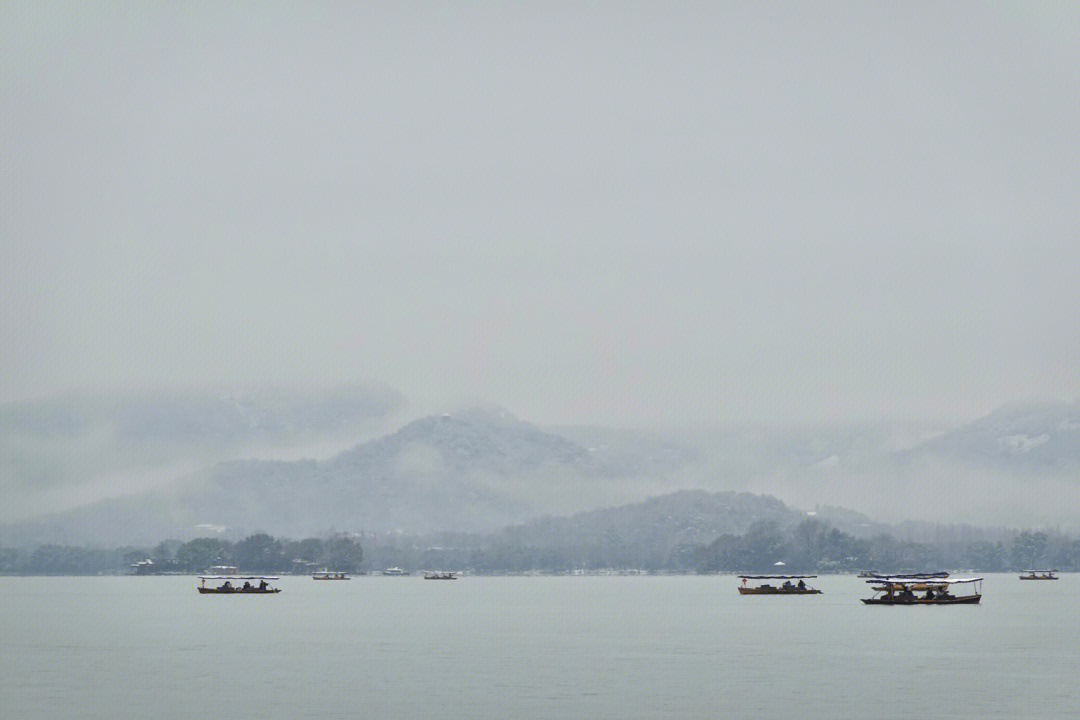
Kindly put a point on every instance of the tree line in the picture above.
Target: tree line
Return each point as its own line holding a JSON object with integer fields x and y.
{"x": 261, "y": 553}
{"x": 808, "y": 546}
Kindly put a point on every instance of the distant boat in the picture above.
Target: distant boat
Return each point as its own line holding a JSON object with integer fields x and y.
{"x": 227, "y": 588}
{"x": 904, "y": 589}
{"x": 395, "y": 571}
{"x": 1039, "y": 575}
{"x": 439, "y": 576}
{"x": 785, "y": 588}
{"x": 329, "y": 575}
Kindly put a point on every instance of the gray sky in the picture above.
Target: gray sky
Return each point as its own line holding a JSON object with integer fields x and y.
{"x": 591, "y": 212}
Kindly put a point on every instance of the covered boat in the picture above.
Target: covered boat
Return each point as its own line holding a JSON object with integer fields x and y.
{"x": 237, "y": 585}
{"x": 784, "y": 585}
{"x": 438, "y": 575}
{"x": 907, "y": 590}
{"x": 1039, "y": 575}
{"x": 329, "y": 575}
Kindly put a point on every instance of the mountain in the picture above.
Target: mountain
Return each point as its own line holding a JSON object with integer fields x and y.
{"x": 1029, "y": 438}
{"x": 473, "y": 472}
{"x": 65, "y": 451}
{"x": 687, "y": 516}
{"x": 481, "y": 469}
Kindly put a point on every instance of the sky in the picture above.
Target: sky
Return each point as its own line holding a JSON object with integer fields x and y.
{"x": 595, "y": 212}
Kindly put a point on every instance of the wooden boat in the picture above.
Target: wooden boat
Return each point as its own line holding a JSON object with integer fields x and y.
{"x": 329, "y": 575}
{"x": 228, "y": 588}
{"x": 785, "y": 588}
{"x": 439, "y": 576}
{"x": 904, "y": 590}
{"x": 1039, "y": 575}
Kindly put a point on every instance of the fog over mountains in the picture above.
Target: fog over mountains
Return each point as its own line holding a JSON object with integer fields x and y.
{"x": 209, "y": 465}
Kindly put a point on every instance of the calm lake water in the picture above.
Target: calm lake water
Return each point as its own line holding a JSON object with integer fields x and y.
{"x": 531, "y": 647}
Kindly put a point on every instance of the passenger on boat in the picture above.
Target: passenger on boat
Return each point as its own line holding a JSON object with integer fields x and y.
{"x": 788, "y": 585}
{"x": 930, "y": 593}
{"x": 262, "y": 584}
{"x": 227, "y": 586}
{"x": 247, "y": 586}
{"x": 802, "y": 585}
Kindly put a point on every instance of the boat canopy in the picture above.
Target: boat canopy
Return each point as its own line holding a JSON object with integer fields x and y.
{"x": 909, "y": 580}
{"x": 1039, "y": 571}
{"x": 910, "y": 576}
{"x": 238, "y": 577}
{"x": 777, "y": 577}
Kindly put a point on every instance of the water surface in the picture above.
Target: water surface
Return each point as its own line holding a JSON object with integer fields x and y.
{"x": 530, "y": 647}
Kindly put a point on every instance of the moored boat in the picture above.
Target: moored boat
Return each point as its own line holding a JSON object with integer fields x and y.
{"x": 905, "y": 590}
{"x": 228, "y": 588}
{"x": 430, "y": 575}
{"x": 787, "y": 587}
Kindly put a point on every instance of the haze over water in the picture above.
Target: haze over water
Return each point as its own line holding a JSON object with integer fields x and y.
{"x": 530, "y": 647}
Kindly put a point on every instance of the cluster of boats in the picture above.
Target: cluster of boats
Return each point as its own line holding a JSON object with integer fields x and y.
{"x": 226, "y": 580}
{"x": 935, "y": 588}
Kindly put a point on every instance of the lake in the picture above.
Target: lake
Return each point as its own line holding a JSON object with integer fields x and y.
{"x": 531, "y": 647}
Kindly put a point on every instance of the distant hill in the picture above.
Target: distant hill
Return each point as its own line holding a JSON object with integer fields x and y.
{"x": 479, "y": 470}
{"x": 462, "y": 472}
{"x": 688, "y": 516}
{"x": 64, "y": 451}
{"x": 1038, "y": 438}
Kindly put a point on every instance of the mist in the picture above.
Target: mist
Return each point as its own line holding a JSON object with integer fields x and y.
{"x": 626, "y": 214}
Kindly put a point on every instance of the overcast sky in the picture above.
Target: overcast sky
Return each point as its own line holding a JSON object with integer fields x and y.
{"x": 586, "y": 212}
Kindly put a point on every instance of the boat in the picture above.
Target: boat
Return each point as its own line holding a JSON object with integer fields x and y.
{"x": 329, "y": 575}
{"x": 395, "y": 571}
{"x": 785, "y": 588}
{"x": 905, "y": 590}
{"x": 440, "y": 576}
{"x": 228, "y": 588}
{"x": 1039, "y": 575}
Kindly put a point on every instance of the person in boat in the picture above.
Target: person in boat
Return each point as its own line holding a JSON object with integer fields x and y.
{"x": 247, "y": 586}
{"x": 929, "y": 593}
{"x": 802, "y": 585}
{"x": 906, "y": 594}
{"x": 788, "y": 586}
{"x": 262, "y": 585}
{"x": 227, "y": 586}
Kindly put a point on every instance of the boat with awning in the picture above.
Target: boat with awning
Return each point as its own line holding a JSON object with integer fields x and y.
{"x": 777, "y": 585}
{"x": 237, "y": 585}
{"x": 1039, "y": 575}
{"x": 907, "y": 590}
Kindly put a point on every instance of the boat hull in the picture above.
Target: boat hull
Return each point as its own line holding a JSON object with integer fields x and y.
{"x": 777, "y": 591}
{"x": 237, "y": 591}
{"x": 1023, "y": 577}
{"x": 963, "y": 600}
